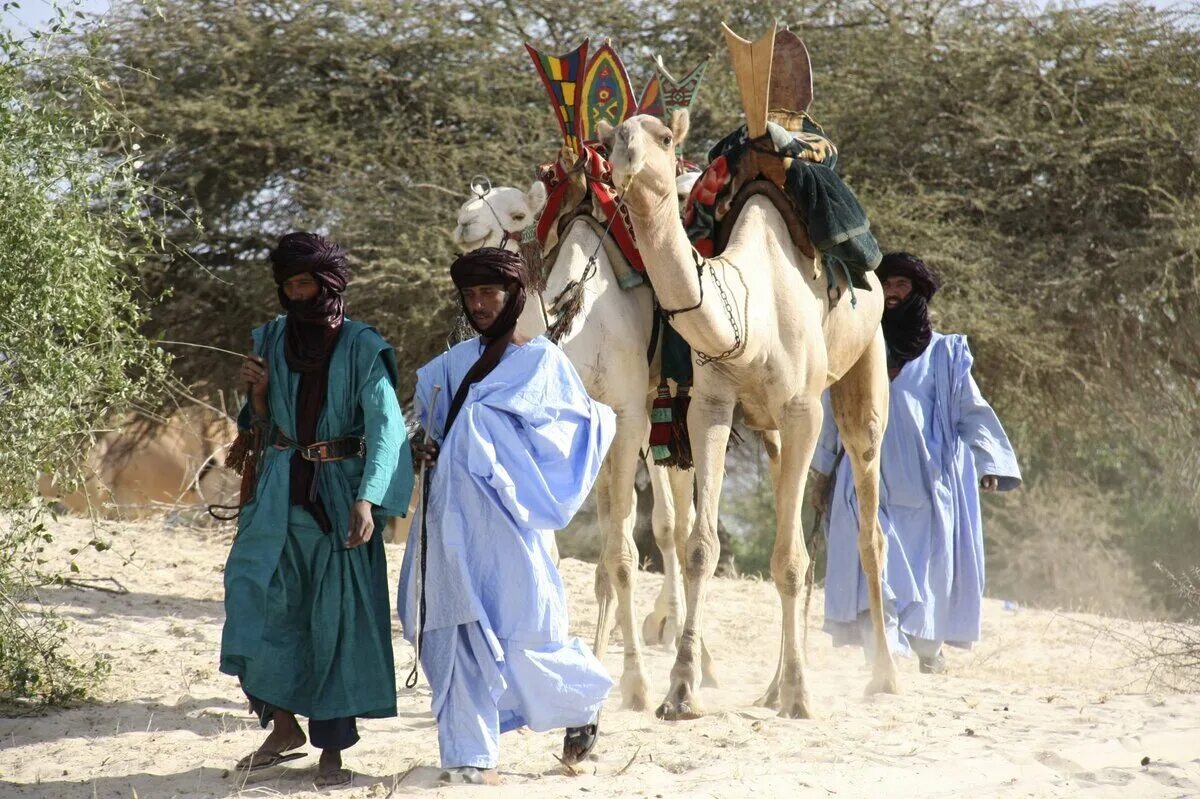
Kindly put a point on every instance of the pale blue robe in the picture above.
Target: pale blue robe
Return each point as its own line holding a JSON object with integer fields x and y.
{"x": 941, "y": 438}
{"x": 518, "y": 462}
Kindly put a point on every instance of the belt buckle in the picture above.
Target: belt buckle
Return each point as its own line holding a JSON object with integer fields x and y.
{"x": 321, "y": 450}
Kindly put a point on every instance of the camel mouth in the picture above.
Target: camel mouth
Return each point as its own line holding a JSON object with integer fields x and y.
{"x": 466, "y": 245}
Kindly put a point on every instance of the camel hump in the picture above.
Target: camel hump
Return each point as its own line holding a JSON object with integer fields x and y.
{"x": 791, "y": 91}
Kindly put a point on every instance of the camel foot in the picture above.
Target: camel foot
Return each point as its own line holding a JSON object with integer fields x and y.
{"x": 770, "y": 699}
{"x": 794, "y": 706}
{"x": 885, "y": 683}
{"x": 633, "y": 691}
{"x": 661, "y": 629}
{"x": 685, "y": 710}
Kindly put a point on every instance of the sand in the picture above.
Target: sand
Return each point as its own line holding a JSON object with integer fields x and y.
{"x": 1047, "y": 705}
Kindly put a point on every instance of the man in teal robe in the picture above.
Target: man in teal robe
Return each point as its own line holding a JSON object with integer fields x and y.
{"x": 307, "y": 627}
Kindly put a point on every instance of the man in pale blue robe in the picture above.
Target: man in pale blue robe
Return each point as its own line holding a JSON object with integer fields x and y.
{"x": 325, "y": 461}
{"x": 943, "y": 444}
{"x": 518, "y": 444}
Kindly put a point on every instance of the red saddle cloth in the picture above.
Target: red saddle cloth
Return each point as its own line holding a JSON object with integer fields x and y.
{"x": 598, "y": 172}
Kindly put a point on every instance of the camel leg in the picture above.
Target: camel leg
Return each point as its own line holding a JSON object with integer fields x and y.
{"x": 606, "y": 595}
{"x": 619, "y": 554}
{"x": 665, "y": 622}
{"x": 771, "y": 443}
{"x": 801, "y": 425}
{"x": 860, "y": 407}
{"x": 709, "y": 420}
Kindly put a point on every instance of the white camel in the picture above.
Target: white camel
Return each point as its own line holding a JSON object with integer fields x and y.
{"x": 775, "y": 361}
{"x": 607, "y": 344}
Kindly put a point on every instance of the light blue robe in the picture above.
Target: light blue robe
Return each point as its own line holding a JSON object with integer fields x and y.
{"x": 307, "y": 621}
{"x": 941, "y": 438}
{"x": 520, "y": 459}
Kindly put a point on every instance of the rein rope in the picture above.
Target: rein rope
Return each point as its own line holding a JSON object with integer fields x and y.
{"x": 481, "y": 186}
{"x": 567, "y": 304}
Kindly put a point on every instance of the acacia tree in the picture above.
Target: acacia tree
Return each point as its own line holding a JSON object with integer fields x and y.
{"x": 1043, "y": 161}
{"x": 72, "y": 215}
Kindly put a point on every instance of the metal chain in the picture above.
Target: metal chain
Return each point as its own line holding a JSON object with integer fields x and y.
{"x": 739, "y": 340}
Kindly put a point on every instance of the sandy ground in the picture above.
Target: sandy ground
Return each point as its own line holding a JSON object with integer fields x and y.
{"x": 1046, "y": 706}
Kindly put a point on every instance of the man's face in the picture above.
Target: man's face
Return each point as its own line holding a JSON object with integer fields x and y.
{"x": 896, "y": 290}
{"x": 301, "y": 287}
{"x": 484, "y": 303}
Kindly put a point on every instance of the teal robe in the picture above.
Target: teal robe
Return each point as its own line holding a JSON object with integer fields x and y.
{"x": 307, "y": 621}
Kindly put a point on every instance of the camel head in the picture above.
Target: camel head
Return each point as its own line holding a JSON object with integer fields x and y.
{"x": 642, "y": 153}
{"x": 484, "y": 219}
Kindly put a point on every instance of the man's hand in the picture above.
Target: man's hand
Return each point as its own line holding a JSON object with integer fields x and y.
{"x": 989, "y": 483}
{"x": 818, "y": 491}
{"x": 362, "y": 526}
{"x": 425, "y": 453}
{"x": 254, "y": 374}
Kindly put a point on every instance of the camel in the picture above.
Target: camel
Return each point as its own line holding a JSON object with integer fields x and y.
{"x": 775, "y": 362}
{"x": 141, "y": 467}
{"x": 607, "y": 344}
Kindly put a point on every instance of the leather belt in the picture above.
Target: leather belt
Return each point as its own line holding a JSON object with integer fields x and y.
{"x": 337, "y": 449}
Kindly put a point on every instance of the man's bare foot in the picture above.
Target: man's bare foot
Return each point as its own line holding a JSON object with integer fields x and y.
{"x": 330, "y": 771}
{"x": 469, "y": 775}
{"x": 285, "y": 736}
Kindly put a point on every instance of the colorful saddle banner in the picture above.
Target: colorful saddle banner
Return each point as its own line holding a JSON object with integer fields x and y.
{"x": 606, "y": 94}
{"x": 652, "y": 101}
{"x": 561, "y": 75}
{"x": 679, "y": 94}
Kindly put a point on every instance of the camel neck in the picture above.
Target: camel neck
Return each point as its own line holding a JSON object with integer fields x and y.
{"x": 672, "y": 263}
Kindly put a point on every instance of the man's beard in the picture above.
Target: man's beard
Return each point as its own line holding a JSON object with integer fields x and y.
{"x": 906, "y": 330}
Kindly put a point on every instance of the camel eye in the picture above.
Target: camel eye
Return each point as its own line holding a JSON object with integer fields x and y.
{"x": 666, "y": 140}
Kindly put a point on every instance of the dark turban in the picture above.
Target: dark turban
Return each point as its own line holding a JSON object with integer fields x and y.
{"x": 903, "y": 264}
{"x": 311, "y": 333}
{"x": 906, "y": 327}
{"x": 485, "y": 267}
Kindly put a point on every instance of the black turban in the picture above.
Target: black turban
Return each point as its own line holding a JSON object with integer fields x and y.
{"x": 903, "y": 264}
{"x": 906, "y": 327}
{"x": 488, "y": 266}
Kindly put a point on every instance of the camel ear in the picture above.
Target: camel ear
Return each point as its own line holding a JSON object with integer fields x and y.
{"x": 605, "y": 132}
{"x": 536, "y": 197}
{"x": 681, "y": 120}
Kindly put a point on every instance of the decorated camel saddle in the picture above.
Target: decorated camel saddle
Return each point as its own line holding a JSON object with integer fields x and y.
{"x": 781, "y": 153}
{"x": 583, "y": 93}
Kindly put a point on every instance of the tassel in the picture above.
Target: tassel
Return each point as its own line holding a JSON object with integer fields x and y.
{"x": 681, "y": 444}
{"x": 565, "y": 308}
{"x": 239, "y": 451}
{"x": 530, "y": 249}
{"x": 661, "y": 426}
{"x": 243, "y": 459}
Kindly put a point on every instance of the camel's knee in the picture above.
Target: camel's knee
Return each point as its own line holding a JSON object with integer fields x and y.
{"x": 702, "y": 551}
{"x": 620, "y": 562}
{"x": 771, "y": 444}
{"x": 788, "y": 570}
{"x": 871, "y": 548}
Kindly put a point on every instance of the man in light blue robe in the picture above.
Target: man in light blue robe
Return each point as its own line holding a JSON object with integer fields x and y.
{"x": 943, "y": 444}
{"x": 518, "y": 444}
{"x": 325, "y": 461}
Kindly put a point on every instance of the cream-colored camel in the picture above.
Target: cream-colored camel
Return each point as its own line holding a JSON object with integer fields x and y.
{"x": 607, "y": 344}
{"x": 139, "y": 469}
{"x": 762, "y": 308}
